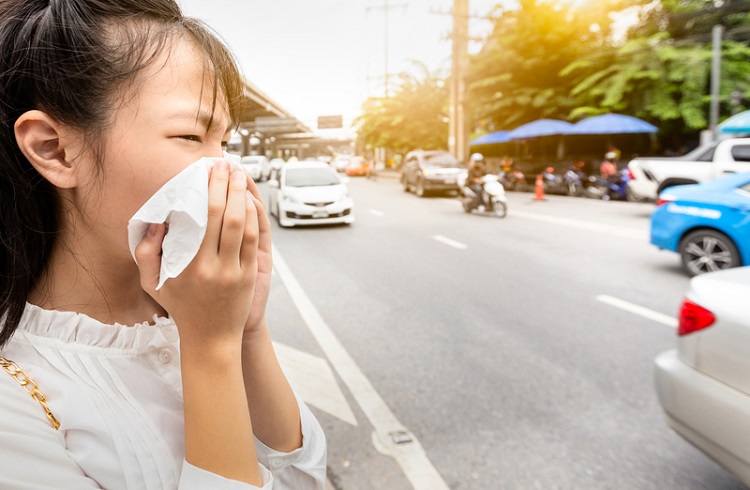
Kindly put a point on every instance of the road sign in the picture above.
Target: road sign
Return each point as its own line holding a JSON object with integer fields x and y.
{"x": 330, "y": 122}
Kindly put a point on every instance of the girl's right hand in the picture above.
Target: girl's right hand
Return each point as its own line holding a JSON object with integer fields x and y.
{"x": 210, "y": 300}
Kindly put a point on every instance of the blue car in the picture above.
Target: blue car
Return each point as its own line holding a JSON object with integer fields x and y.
{"x": 708, "y": 224}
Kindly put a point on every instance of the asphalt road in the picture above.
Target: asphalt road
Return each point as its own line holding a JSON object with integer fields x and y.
{"x": 492, "y": 344}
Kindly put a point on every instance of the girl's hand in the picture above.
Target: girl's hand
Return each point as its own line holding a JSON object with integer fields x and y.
{"x": 265, "y": 264}
{"x": 211, "y": 299}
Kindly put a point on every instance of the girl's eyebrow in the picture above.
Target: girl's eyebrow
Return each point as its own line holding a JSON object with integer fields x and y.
{"x": 203, "y": 117}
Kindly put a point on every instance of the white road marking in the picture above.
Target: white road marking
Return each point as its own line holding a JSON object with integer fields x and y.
{"x": 410, "y": 456}
{"x": 667, "y": 320}
{"x": 377, "y": 213}
{"x": 585, "y": 225}
{"x": 313, "y": 380}
{"x": 449, "y": 242}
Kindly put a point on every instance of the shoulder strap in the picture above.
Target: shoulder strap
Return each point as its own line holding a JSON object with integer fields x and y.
{"x": 30, "y": 386}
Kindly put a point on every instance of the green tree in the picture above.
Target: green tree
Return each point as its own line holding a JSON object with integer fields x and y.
{"x": 415, "y": 116}
{"x": 517, "y": 77}
{"x": 660, "y": 75}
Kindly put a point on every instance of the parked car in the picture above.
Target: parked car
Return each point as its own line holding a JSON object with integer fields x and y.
{"x": 707, "y": 224}
{"x": 357, "y": 166}
{"x": 340, "y": 162}
{"x": 309, "y": 193}
{"x": 430, "y": 171}
{"x": 650, "y": 176}
{"x": 257, "y": 166}
{"x": 702, "y": 385}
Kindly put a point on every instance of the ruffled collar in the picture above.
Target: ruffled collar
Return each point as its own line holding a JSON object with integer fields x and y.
{"x": 77, "y": 329}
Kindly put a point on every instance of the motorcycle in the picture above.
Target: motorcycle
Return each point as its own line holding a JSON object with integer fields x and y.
{"x": 513, "y": 180}
{"x": 494, "y": 200}
{"x": 553, "y": 183}
{"x": 617, "y": 188}
{"x": 573, "y": 182}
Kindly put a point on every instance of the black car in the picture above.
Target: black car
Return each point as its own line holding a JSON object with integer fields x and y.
{"x": 430, "y": 171}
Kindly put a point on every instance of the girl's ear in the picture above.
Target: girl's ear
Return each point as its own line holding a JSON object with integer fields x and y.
{"x": 50, "y": 147}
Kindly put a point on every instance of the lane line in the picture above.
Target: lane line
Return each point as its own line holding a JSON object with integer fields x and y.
{"x": 449, "y": 242}
{"x": 584, "y": 225}
{"x": 667, "y": 320}
{"x": 410, "y": 456}
{"x": 377, "y": 213}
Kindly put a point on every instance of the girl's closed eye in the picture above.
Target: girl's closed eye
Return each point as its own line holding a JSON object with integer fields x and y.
{"x": 191, "y": 137}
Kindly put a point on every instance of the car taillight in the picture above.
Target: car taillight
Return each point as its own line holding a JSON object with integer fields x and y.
{"x": 693, "y": 318}
{"x": 631, "y": 175}
{"x": 665, "y": 198}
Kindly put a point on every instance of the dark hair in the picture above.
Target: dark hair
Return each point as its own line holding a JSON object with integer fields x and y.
{"x": 69, "y": 59}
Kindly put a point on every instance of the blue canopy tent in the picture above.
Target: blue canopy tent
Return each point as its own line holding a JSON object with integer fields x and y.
{"x": 543, "y": 127}
{"x": 612, "y": 124}
{"x": 739, "y": 123}
{"x": 540, "y": 127}
{"x": 491, "y": 138}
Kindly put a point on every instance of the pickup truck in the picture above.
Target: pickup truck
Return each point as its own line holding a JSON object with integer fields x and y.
{"x": 651, "y": 175}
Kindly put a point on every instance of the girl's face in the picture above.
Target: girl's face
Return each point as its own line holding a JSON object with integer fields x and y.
{"x": 157, "y": 131}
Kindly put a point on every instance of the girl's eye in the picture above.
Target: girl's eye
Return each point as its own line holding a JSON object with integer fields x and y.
{"x": 191, "y": 137}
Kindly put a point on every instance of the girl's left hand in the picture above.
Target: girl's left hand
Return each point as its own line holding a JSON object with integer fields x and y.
{"x": 256, "y": 319}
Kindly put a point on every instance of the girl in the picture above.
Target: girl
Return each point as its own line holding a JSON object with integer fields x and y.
{"x": 102, "y": 102}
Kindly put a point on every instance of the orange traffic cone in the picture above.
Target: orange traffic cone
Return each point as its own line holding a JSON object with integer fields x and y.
{"x": 539, "y": 189}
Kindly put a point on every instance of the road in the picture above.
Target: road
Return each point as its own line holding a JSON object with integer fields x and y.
{"x": 445, "y": 350}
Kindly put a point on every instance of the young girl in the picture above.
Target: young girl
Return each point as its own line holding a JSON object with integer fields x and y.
{"x": 101, "y": 103}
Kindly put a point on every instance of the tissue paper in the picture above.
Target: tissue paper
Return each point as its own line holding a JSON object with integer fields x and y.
{"x": 181, "y": 203}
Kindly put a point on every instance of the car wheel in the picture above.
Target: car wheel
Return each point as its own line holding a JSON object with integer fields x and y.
{"x": 420, "y": 188}
{"x": 707, "y": 251}
{"x": 404, "y": 183}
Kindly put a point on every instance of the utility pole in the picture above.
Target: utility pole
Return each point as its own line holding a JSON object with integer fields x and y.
{"x": 386, "y": 7}
{"x": 715, "y": 77}
{"x": 458, "y": 133}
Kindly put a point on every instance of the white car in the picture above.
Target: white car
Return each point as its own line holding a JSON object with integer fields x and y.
{"x": 340, "y": 162}
{"x": 257, "y": 166}
{"x": 309, "y": 193}
{"x": 703, "y": 385}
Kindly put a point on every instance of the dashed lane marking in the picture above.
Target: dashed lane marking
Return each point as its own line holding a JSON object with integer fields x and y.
{"x": 638, "y": 310}
{"x": 450, "y": 243}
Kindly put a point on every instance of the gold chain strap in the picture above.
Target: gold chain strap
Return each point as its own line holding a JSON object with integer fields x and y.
{"x": 30, "y": 386}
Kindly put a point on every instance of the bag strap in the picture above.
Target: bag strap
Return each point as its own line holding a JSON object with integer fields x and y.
{"x": 30, "y": 386}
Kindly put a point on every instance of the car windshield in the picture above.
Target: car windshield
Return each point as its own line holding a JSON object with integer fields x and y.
{"x": 441, "y": 160}
{"x": 311, "y": 177}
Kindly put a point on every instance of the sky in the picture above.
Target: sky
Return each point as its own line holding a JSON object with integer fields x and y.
{"x": 325, "y": 57}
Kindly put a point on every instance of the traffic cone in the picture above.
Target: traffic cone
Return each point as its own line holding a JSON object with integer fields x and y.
{"x": 539, "y": 189}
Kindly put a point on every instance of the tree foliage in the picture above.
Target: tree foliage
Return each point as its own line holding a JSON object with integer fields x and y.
{"x": 415, "y": 116}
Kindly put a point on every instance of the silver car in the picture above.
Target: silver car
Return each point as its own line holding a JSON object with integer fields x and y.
{"x": 704, "y": 384}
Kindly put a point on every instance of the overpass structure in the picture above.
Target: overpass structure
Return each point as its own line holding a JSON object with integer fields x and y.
{"x": 267, "y": 128}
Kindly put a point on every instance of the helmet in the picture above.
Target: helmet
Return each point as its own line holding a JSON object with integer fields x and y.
{"x": 476, "y": 157}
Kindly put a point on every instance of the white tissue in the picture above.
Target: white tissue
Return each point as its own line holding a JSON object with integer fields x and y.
{"x": 181, "y": 203}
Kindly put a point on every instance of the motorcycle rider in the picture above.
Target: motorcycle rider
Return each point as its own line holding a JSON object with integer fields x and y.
{"x": 474, "y": 179}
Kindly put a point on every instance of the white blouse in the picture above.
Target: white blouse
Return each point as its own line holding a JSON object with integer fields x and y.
{"x": 117, "y": 392}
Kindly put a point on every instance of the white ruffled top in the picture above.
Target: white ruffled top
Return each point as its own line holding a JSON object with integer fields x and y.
{"x": 117, "y": 392}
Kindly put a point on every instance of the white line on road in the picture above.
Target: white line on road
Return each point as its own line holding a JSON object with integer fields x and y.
{"x": 638, "y": 310}
{"x": 586, "y": 225}
{"x": 449, "y": 242}
{"x": 410, "y": 456}
{"x": 377, "y": 213}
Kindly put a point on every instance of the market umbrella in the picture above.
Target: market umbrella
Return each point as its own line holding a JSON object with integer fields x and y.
{"x": 540, "y": 127}
{"x": 739, "y": 123}
{"x": 490, "y": 138}
{"x": 612, "y": 124}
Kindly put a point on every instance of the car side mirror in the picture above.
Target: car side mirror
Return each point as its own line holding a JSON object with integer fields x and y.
{"x": 273, "y": 183}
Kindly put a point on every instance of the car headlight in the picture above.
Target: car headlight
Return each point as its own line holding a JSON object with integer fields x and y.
{"x": 289, "y": 198}
{"x": 343, "y": 197}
